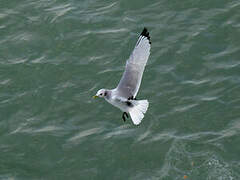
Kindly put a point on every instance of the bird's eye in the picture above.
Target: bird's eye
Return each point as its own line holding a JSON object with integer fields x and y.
{"x": 101, "y": 94}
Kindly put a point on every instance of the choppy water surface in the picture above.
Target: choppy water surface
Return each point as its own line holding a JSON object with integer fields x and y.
{"x": 54, "y": 55}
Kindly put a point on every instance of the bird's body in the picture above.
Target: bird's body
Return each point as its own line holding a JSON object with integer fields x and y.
{"x": 118, "y": 101}
{"x": 124, "y": 95}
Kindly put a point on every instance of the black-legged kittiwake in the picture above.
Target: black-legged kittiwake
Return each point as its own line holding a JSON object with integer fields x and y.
{"x": 124, "y": 95}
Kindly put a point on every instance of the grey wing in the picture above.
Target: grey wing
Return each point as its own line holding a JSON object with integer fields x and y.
{"x": 132, "y": 76}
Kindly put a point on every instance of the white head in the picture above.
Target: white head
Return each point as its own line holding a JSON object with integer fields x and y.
{"x": 101, "y": 93}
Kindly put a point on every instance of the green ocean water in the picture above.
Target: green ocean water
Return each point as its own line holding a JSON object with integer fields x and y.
{"x": 55, "y": 55}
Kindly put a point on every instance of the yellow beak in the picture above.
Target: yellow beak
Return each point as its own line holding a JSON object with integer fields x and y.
{"x": 94, "y": 97}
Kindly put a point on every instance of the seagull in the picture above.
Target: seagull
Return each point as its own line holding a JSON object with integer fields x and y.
{"x": 124, "y": 95}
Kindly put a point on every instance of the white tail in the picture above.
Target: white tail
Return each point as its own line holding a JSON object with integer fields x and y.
{"x": 137, "y": 111}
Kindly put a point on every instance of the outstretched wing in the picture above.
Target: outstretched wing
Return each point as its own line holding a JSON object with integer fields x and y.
{"x": 132, "y": 76}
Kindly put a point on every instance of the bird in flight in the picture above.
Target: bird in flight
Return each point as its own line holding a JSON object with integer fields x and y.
{"x": 124, "y": 95}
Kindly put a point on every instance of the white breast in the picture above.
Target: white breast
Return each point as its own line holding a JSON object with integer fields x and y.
{"x": 118, "y": 102}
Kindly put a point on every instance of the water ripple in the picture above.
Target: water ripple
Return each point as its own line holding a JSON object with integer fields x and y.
{"x": 76, "y": 138}
{"x": 59, "y": 11}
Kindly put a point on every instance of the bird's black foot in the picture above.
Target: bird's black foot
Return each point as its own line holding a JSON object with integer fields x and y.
{"x": 123, "y": 116}
{"x": 132, "y": 98}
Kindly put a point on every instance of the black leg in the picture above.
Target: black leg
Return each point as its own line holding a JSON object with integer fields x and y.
{"x": 123, "y": 117}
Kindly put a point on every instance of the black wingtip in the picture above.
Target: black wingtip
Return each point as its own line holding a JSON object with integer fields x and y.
{"x": 146, "y": 34}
